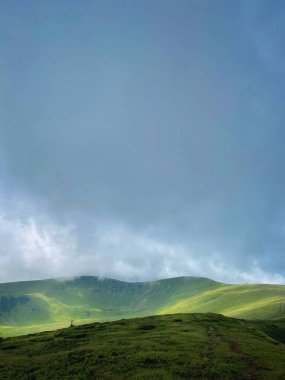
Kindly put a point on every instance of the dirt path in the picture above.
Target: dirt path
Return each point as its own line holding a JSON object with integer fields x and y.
{"x": 214, "y": 339}
{"x": 250, "y": 373}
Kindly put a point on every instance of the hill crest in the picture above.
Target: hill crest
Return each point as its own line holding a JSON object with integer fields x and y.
{"x": 29, "y": 306}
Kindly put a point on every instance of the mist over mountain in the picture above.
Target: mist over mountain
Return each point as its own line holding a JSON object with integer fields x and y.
{"x": 142, "y": 203}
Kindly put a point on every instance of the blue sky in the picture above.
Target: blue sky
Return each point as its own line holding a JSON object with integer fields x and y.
{"x": 142, "y": 139}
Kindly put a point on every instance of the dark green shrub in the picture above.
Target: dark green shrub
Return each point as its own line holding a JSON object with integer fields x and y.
{"x": 146, "y": 327}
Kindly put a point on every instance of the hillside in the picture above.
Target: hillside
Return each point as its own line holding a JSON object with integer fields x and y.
{"x": 33, "y": 306}
{"x": 182, "y": 346}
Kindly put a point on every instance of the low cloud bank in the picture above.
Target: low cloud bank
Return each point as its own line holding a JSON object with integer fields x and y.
{"x": 34, "y": 247}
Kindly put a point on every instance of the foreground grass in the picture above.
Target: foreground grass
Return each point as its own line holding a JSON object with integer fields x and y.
{"x": 181, "y": 346}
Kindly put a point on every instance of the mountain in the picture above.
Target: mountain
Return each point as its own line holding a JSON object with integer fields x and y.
{"x": 31, "y": 306}
{"x": 180, "y": 346}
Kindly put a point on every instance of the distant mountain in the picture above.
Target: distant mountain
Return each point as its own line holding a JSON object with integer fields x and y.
{"x": 32, "y": 306}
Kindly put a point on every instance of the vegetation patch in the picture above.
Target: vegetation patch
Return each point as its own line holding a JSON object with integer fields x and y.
{"x": 147, "y": 327}
{"x": 46, "y": 305}
{"x": 188, "y": 346}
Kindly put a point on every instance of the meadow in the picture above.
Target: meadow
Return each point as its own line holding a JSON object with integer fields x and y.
{"x": 179, "y": 346}
{"x": 35, "y": 306}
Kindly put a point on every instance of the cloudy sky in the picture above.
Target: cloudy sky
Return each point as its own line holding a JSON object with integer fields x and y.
{"x": 142, "y": 139}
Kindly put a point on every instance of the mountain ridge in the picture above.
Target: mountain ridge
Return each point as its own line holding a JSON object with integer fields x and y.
{"x": 29, "y": 306}
{"x": 102, "y": 278}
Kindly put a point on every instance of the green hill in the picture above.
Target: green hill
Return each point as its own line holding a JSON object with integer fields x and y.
{"x": 181, "y": 346}
{"x": 32, "y": 306}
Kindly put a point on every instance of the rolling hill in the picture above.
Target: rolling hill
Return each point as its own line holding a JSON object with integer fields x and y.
{"x": 180, "y": 346}
{"x": 32, "y": 306}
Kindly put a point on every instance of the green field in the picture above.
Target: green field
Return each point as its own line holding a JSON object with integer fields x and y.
{"x": 181, "y": 346}
{"x": 34, "y": 306}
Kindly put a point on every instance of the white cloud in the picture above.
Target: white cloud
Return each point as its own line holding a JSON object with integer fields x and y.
{"x": 36, "y": 247}
{"x": 31, "y": 249}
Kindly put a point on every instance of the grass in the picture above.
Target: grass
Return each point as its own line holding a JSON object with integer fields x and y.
{"x": 34, "y": 306}
{"x": 243, "y": 301}
{"x": 180, "y": 346}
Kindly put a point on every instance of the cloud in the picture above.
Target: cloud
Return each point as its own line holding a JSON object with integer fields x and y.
{"x": 36, "y": 247}
{"x": 32, "y": 250}
{"x": 145, "y": 146}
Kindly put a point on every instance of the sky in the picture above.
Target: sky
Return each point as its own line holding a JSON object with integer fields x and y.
{"x": 142, "y": 139}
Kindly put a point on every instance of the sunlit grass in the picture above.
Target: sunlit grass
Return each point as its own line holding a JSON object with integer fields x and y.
{"x": 51, "y": 304}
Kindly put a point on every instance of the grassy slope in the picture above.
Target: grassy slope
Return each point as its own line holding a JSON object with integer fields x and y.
{"x": 45, "y": 305}
{"x": 182, "y": 346}
{"x": 244, "y": 301}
